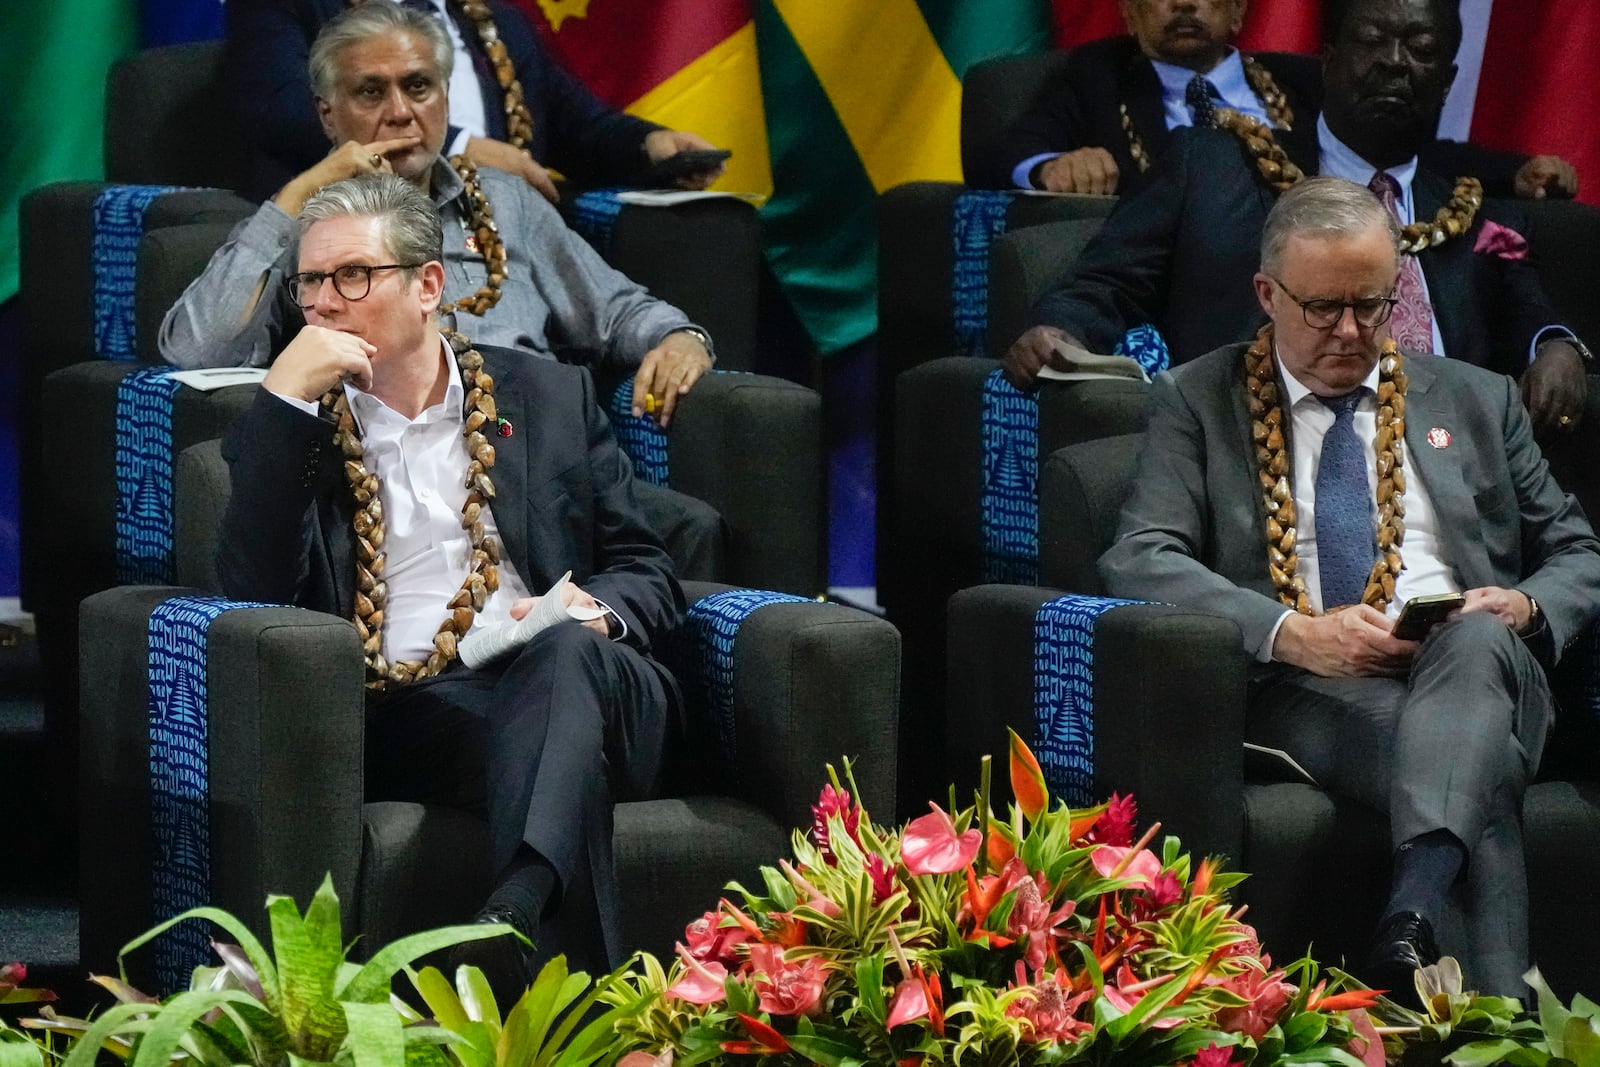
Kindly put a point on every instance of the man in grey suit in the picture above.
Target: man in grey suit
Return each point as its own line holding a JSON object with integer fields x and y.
{"x": 1319, "y": 468}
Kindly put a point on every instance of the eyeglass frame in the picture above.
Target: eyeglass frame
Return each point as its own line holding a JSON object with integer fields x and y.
{"x": 1388, "y": 302}
{"x": 302, "y": 278}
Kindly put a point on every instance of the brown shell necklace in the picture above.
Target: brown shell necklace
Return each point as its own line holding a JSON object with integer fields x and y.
{"x": 483, "y": 575}
{"x": 1264, "y": 401}
{"x": 1262, "y": 84}
{"x": 1280, "y": 172}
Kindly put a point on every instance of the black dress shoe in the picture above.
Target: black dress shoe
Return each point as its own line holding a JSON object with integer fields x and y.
{"x": 506, "y": 961}
{"x": 1403, "y": 944}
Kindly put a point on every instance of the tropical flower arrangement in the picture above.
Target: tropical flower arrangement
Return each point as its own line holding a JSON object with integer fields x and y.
{"x": 1052, "y": 936}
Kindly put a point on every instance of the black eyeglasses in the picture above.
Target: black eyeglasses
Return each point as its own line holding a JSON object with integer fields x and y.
{"x": 1325, "y": 314}
{"x": 353, "y": 281}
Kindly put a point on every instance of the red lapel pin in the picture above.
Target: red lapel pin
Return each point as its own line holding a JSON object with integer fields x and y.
{"x": 1439, "y": 437}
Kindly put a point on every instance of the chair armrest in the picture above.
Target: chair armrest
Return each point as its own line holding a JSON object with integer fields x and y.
{"x": 284, "y": 723}
{"x": 751, "y": 446}
{"x": 1168, "y": 704}
{"x": 812, "y": 683}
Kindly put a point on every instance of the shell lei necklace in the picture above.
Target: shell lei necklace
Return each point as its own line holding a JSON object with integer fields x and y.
{"x": 1280, "y": 172}
{"x": 1264, "y": 400}
{"x": 1262, "y": 84}
{"x": 483, "y": 575}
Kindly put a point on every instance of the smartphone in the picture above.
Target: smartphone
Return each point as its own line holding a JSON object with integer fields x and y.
{"x": 1422, "y": 613}
{"x": 694, "y": 161}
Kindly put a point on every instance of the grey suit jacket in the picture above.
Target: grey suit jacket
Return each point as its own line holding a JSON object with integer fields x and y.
{"x": 1193, "y": 531}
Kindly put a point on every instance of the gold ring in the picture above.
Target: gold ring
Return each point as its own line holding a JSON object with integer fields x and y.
{"x": 375, "y": 159}
{"x": 1565, "y": 420}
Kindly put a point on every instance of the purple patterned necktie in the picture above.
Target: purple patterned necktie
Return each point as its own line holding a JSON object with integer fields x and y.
{"x": 1411, "y": 326}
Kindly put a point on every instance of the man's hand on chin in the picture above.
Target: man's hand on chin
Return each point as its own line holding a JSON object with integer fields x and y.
{"x": 1355, "y": 642}
{"x": 1554, "y": 387}
{"x": 319, "y": 359}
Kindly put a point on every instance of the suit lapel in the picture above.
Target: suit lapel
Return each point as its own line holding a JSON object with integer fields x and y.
{"x": 510, "y": 474}
{"x": 1141, "y": 91}
{"x": 1440, "y": 466}
{"x": 1445, "y": 267}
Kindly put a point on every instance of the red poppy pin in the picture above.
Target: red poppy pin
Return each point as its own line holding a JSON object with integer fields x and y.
{"x": 1439, "y": 437}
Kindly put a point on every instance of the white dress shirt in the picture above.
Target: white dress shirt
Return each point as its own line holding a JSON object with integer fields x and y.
{"x": 421, "y": 466}
{"x": 1426, "y": 569}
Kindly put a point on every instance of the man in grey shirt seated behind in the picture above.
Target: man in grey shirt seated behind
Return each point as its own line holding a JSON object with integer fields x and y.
{"x": 515, "y": 275}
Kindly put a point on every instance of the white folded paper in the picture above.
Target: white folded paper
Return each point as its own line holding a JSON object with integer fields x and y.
{"x": 485, "y": 644}
{"x": 219, "y": 377}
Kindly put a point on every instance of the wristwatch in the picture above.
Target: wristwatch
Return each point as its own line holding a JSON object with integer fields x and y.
{"x": 1535, "y": 618}
{"x": 703, "y": 336}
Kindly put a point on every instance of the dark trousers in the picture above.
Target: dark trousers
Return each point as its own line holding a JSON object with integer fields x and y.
{"x": 1451, "y": 747}
{"x": 541, "y": 748}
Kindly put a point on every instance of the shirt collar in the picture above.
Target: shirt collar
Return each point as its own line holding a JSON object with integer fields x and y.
{"x": 444, "y": 182}
{"x": 1297, "y": 391}
{"x": 364, "y": 406}
{"x": 1227, "y": 76}
{"x": 1339, "y": 160}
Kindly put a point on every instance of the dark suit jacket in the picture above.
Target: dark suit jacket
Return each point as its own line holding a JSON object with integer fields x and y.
{"x": 266, "y": 46}
{"x": 1181, "y": 252}
{"x": 1080, "y": 107}
{"x": 564, "y": 500}
{"x": 1193, "y": 531}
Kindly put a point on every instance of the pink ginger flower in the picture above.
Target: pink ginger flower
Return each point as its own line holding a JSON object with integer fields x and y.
{"x": 702, "y": 983}
{"x": 834, "y": 802}
{"x": 710, "y": 941}
{"x": 1267, "y": 995}
{"x": 1214, "y": 1055}
{"x": 930, "y": 845}
{"x": 883, "y": 881}
{"x": 786, "y": 988}
{"x": 1051, "y": 1014}
{"x": 1032, "y": 918}
{"x": 1164, "y": 890}
{"x": 1116, "y": 823}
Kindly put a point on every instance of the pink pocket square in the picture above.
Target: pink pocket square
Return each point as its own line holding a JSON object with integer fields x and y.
{"x": 1497, "y": 240}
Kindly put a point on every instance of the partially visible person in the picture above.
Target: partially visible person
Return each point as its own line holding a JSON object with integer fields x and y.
{"x": 515, "y": 275}
{"x": 1099, "y": 125}
{"x": 1108, "y": 114}
{"x": 513, "y": 106}
{"x": 1388, "y": 475}
{"x": 1179, "y": 254}
{"x": 370, "y": 482}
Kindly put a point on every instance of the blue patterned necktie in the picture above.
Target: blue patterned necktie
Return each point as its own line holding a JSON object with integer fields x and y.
{"x": 1346, "y": 546}
{"x": 1202, "y": 97}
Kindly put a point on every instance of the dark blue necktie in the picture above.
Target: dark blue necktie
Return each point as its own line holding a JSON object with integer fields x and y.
{"x": 1202, "y": 97}
{"x": 1345, "y": 543}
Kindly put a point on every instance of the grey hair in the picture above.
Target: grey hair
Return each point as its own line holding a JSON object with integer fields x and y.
{"x": 1325, "y": 207}
{"x": 411, "y": 226}
{"x": 364, "y": 22}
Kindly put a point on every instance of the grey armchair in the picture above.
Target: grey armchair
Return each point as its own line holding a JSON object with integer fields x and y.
{"x": 809, "y": 683}
{"x": 1163, "y": 700}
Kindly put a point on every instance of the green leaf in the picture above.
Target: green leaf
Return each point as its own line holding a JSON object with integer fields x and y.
{"x": 440, "y": 997}
{"x": 833, "y": 1048}
{"x": 371, "y": 984}
{"x": 374, "y": 1038}
{"x": 869, "y": 988}
{"x": 175, "y": 1019}
{"x": 1583, "y": 1006}
{"x": 119, "y": 1020}
{"x": 1552, "y": 1016}
{"x": 18, "y": 1050}
{"x": 309, "y": 951}
{"x": 478, "y": 999}
{"x": 241, "y": 935}
{"x": 1581, "y": 1039}
{"x": 1482, "y": 1053}
{"x": 1305, "y": 1030}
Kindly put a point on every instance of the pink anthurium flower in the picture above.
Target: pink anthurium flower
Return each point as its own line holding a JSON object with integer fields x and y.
{"x": 931, "y": 845}
{"x": 1142, "y": 867}
{"x": 702, "y": 983}
{"x": 645, "y": 1059}
{"x": 909, "y": 1004}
